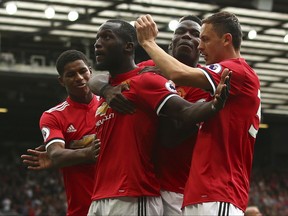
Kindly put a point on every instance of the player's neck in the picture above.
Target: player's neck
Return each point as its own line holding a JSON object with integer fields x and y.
{"x": 85, "y": 99}
{"x": 124, "y": 68}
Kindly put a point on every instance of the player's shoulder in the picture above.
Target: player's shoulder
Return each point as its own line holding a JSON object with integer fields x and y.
{"x": 149, "y": 62}
{"x": 58, "y": 108}
{"x": 153, "y": 81}
{"x": 150, "y": 77}
{"x": 55, "y": 114}
{"x": 216, "y": 68}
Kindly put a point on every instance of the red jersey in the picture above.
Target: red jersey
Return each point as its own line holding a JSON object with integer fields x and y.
{"x": 173, "y": 164}
{"x": 125, "y": 164}
{"x": 73, "y": 123}
{"x": 223, "y": 153}
{"x": 149, "y": 62}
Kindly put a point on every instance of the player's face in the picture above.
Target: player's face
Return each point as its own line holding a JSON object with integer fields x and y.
{"x": 211, "y": 45}
{"x": 109, "y": 48}
{"x": 75, "y": 77}
{"x": 185, "y": 42}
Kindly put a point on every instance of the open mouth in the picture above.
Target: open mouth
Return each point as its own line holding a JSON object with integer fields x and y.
{"x": 82, "y": 85}
{"x": 99, "y": 58}
{"x": 203, "y": 55}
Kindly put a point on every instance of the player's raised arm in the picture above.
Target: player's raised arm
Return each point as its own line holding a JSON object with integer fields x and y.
{"x": 99, "y": 85}
{"x": 170, "y": 67}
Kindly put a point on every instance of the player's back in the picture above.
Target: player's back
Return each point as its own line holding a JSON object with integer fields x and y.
{"x": 222, "y": 157}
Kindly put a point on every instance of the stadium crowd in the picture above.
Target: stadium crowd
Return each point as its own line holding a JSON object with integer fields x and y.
{"x": 30, "y": 193}
{"x": 269, "y": 191}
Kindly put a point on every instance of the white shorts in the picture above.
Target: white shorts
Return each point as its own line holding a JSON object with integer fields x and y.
{"x": 141, "y": 206}
{"x": 172, "y": 203}
{"x": 212, "y": 209}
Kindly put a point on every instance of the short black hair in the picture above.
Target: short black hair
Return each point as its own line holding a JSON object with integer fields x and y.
{"x": 67, "y": 57}
{"x": 126, "y": 31}
{"x": 191, "y": 18}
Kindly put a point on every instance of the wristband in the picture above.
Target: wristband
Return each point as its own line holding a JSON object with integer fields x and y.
{"x": 101, "y": 92}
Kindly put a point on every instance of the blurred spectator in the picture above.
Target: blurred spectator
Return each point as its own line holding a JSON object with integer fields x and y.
{"x": 252, "y": 211}
{"x": 26, "y": 194}
{"x": 22, "y": 193}
{"x": 269, "y": 191}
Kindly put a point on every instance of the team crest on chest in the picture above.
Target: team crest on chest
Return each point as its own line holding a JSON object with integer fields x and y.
{"x": 82, "y": 143}
{"x": 181, "y": 92}
{"x": 102, "y": 109}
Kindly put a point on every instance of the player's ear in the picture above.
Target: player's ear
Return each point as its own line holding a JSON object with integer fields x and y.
{"x": 170, "y": 46}
{"x": 129, "y": 46}
{"x": 60, "y": 80}
{"x": 227, "y": 38}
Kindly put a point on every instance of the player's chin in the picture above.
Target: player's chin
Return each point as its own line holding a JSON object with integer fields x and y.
{"x": 80, "y": 92}
{"x": 100, "y": 65}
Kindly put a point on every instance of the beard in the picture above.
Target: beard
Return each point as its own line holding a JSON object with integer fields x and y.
{"x": 101, "y": 66}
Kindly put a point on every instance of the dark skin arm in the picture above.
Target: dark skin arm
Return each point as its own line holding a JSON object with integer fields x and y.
{"x": 57, "y": 156}
{"x": 172, "y": 132}
{"x": 98, "y": 81}
{"x": 113, "y": 94}
{"x": 185, "y": 115}
{"x": 62, "y": 157}
{"x": 168, "y": 126}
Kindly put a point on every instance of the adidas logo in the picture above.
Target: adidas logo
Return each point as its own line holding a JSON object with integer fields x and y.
{"x": 71, "y": 129}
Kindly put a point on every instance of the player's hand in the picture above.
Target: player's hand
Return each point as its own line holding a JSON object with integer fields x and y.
{"x": 37, "y": 159}
{"x": 116, "y": 99}
{"x": 222, "y": 91}
{"x": 146, "y": 29}
{"x": 40, "y": 148}
{"x": 93, "y": 149}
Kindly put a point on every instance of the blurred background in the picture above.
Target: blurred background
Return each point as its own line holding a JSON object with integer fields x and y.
{"x": 34, "y": 33}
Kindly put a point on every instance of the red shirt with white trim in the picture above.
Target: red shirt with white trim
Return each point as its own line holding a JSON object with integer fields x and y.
{"x": 73, "y": 124}
{"x": 125, "y": 164}
{"x": 223, "y": 153}
{"x": 173, "y": 163}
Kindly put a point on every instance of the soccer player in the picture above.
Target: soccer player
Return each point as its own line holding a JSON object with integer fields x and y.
{"x": 172, "y": 162}
{"x": 125, "y": 181}
{"x": 218, "y": 182}
{"x": 69, "y": 134}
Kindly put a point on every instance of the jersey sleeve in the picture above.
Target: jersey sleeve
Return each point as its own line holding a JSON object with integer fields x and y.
{"x": 213, "y": 73}
{"x": 51, "y": 129}
{"x": 154, "y": 90}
